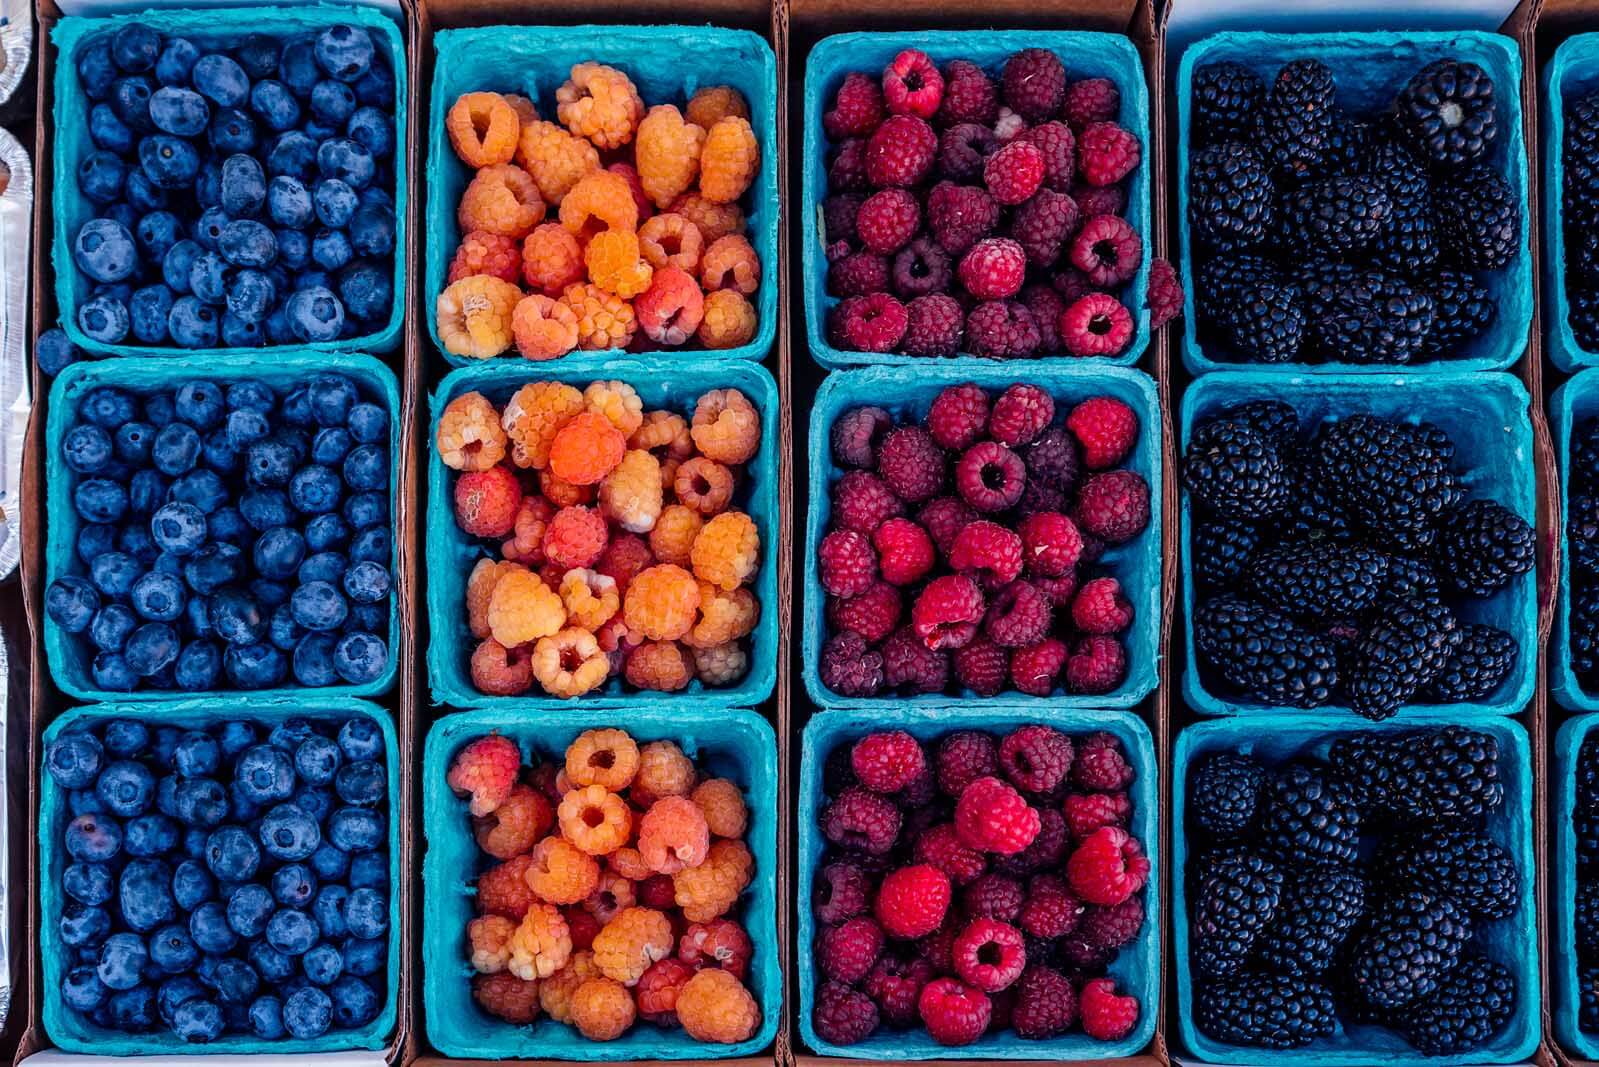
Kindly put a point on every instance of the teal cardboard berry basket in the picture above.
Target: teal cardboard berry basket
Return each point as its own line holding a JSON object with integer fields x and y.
{"x": 1484, "y": 414}
{"x": 1565, "y": 992}
{"x": 1573, "y": 404}
{"x": 1512, "y": 941}
{"x": 1136, "y": 968}
{"x": 1572, "y": 74}
{"x": 724, "y": 742}
{"x": 667, "y": 63}
{"x": 71, "y": 655}
{"x": 1370, "y": 68}
{"x": 663, "y": 383}
{"x": 1086, "y": 55}
{"x": 209, "y": 28}
{"x": 909, "y": 392}
{"x": 73, "y": 1032}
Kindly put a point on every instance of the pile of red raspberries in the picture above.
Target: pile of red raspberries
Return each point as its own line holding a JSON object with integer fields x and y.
{"x": 961, "y": 548}
{"x": 966, "y": 213}
{"x": 976, "y": 885}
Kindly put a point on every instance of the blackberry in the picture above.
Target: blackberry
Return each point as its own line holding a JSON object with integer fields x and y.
{"x": 1466, "y": 865}
{"x": 1482, "y": 546}
{"x": 1277, "y": 420}
{"x": 1446, "y": 112}
{"x": 1580, "y": 160}
{"x": 1314, "y": 580}
{"x": 1582, "y": 533}
{"x": 1235, "y": 897}
{"x": 1588, "y": 998}
{"x": 1587, "y": 776}
{"x": 1411, "y": 580}
{"x": 1585, "y": 457}
{"x": 1267, "y": 324}
{"x": 1585, "y": 827}
{"x": 1220, "y": 280}
{"x": 1586, "y": 919}
{"x": 1309, "y": 818}
{"x": 1469, "y": 1008}
{"x": 1463, "y": 309}
{"x": 1234, "y": 472}
{"x": 1408, "y": 242}
{"x": 1263, "y": 654}
{"x": 1347, "y": 150}
{"x": 1403, "y": 649}
{"x": 1229, "y": 197}
{"x": 1583, "y": 317}
{"x": 1479, "y": 220}
{"x": 1312, "y": 512}
{"x": 1226, "y": 98}
{"x": 1296, "y": 122}
{"x": 1585, "y": 634}
{"x": 1443, "y": 775}
{"x": 1335, "y": 216}
{"x": 1484, "y": 657}
{"x": 1372, "y": 316}
{"x": 1388, "y": 478}
{"x": 1320, "y": 908}
{"x": 1413, "y": 943}
{"x": 1264, "y": 1011}
{"x": 1224, "y": 794}
{"x": 1218, "y": 551}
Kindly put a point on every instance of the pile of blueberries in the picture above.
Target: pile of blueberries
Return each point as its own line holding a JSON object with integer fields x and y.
{"x": 243, "y": 195}
{"x": 230, "y": 536}
{"x": 221, "y": 882}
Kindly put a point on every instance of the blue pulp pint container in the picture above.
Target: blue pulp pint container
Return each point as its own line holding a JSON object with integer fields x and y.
{"x": 667, "y": 63}
{"x": 1484, "y": 414}
{"x": 1136, "y": 968}
{"x": 1573, "y": 404}
{"x": 1512, "y": 941}
{"x": 1572, "y": 74}
{"x": 73, "y": 1032}
{"x": 1085, "y": 54}
{"x": 728, "y": 743}
{"x": 1370, "y": 68}
{"x": 909, "y": 392}
{"x": 1565, "y": 993}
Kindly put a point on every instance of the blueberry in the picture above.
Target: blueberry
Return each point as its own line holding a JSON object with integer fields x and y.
{"x": 178, "y": 263}
{"x": 84, "y": 802}
{"x": 170, "y": 162}
{"x": 275, "y": 105}
{"x": 355, "y": 829}
{"x": 367, "y": 290}
{"x": 282, "y": 630}
{"x": 255, "y": 666}
{"x": 150, "y": 836}
{"x": 335, "y": 202}
{"x": 135, "y": 48}
{"x": 71, "y": 602}
{"x": 367, "y": 913}
{"x": 365, "y": 956}
{"x": 307, "y": 1013}
{"x": 366, "y": 509}
{"x": 100, "y": 176}
{"x": 231, "y": 854}
{"x": 291, "y": 932}
{"x": 178, "y": 111}
{"x": 88, "y": 883}
{"x": 210, "y": 278}
{"x": 193, "y": 324}
{"x": 197, "y": 755}
{"x": 86, "y": 448}
{"x": 82, "y": 990}
{"x": 235, "y": 980}
{"x": 143, "y": 195}
{"x": 96, "y": 69}
{"x": 221, "y": 79}
{"x": 313, "y": 660}
{"x": 326, "y": 532}
{"x": 332, "y": 102}
{"x": 278, "y": 552}
{"x": 215, "y": 565}
{"x": 111, "y": 626}
{"x": 176, "y": 449}
{"x": 201, "y": 802}
{"x": 292, "y": 154}
{"x": 144, "y": 895}
{"x": 176, "y": 61}
{"x": 369, "y": 870}
{"x": 177, "y": 991}
{"x": 373, "y": 129}
{"x": 104, "y": 250}
{"x": 125, "y": 787}
{"x": 123, "y": 215}
{"x": 156, "y": 234}
{"x": 210, "y": 928}
{"x": 178, "y": 528}
{"x": 147, "y": 489}
{"x": 167, "y": 563}
{"x": 173, "y": 950}
{"x": 315, "y": 490}
{"x": 107, "y": 407}
{"x": 330, "y": 249}
{"x": 270, "y": 593}
{"x": 198, "y": 1021}
{"x": 130, "y": 99}
{"x": 203, "y": 489}
{"x": 111, "y": 672}
{"x": 346, "y": 160}
{"x": 290, "y": 734}
{"x": 294, "y": 252}
{"x": 192, "y": 885}
{"x": 361, "y": 782}
{"x": 231, "y": 130}
{"x": 121, "y": 962}
{"x": 99, "y": 500}
{"x": 297, "y": 441}
{"x": 236, "y": 618}
{"x": 269, "y": 963}
{"x": 82, "y": 924}
{"x": 150, "y": 313}
{"x": 258, "y": 55}
{"x": 354, "y": 1002}
{"x": 330, "y": 446}
{"x": 288, "y": 833}
{"x": 53, "y": 350}
{"x": 317, "y": 605}
{"x": 269, "y": 464}
{"x": 329, "y": 862}
{"x": 244, "y": 188}
{"x": 265, "y": 774}
{"x": 265, "y": 508}
{"x": 93, "y": 539}
{"x": 93, "y": 838}
{"x": 151, "y": 648}
{"x": 266, "y": 1017}
{"x": 248, "y": 243}
{"x": 288, "y": 203}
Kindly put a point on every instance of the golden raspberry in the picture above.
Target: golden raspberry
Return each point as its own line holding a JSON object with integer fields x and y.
{"x": 664, "y": 433}
{"x": 534, "y": 415}
{"x": 525, "y": 111}
{"x": 500, "y": 671}
{"x": 503, "y": 889}
{"x": 501, "y": 199}
{"x": 624, "y": 557}
{"x": 601, "y": 104}
{"x": 710, "y": 890}
{"x": 721, "y": 664}
{"x": 602, "y": 1010}
{"x": 470, "y": 437}
{"x": 604, "y": 320}
{"x": 657, "y": 991}
{"x": 636, "y": 187}
{"x": 727, "y": 551}
{"x": 489, "y": 941}
{"x": 586, "y": 449}
{"x": 672, "y": 539}
{"x": 631, "y": 494}
{"x": 526, "y": 543}
{"x": 591, "y": 598}
{"x": 484, "y": 770}
{"x": 673, "y": 836}
{"x": 661, "y": 602}
{"x": 607, "y": 758}
{"x": 704, "y": 485}
{"x": 615, "y": 265}
{"x": 555, "y": 992}
{"x": 551, "y": 259}
{"x": 481, "y": 252}
{"x": 714, "y": 1007}
{"x": 629, "y": 864}
{"x": 600, "y": 201}
{"x": 663, "y": 771}
{"x": 541, "y": 945}
{"x": 629, "y": 943}
{"x": 712, "y": 219}
{"x": 595, "y": 820}
{"x": 575, "y": 538}
{"x": 555, "y": 159}
{"x": 475, "y": 316}
{"x": 614, "y": 894}
{"x": 670, "y": 240}
{"x": 726, "y": 426}
{"x": 668, "y": 153}
{"x": 522, "y": 609}
{"x": 516, "y": 825}
{"x": 662, "y": 666}
{"x": 483, "y": 129}
{"x": 725, "y": 615}
{"x": 731, "y": 263}
{"x": 563, "y": 494}
{"x": 722, "y": 804}
{"x": 730, "y": 320}
{"x": 543, "y": 328}
{"x": 732, "y": 156}
{"x": 712, "y": 103}
{"x": 505, "y": 996}
{"x": 570, "y": 663}
{"x": 560, "y": 872}
{"x": 617, "y": 401}
{"x": 671, "y": 309}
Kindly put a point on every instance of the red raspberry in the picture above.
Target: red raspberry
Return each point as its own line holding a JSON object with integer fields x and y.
{"x": 844, "y": 953}
{"x": 993, "y": 269}
{"x": 1108, "y": 867}
{"x": 1114, "y": 926}
{"x": 912, "y": 464}
{"x": 1107, "y": 1015}
{"x": 887, "y": 761}
{"x": 1100, "y": 607}
{"x": 485, "y": 769}
{"x": 1095, "y": 325}
{"x": 1081, "y": 954}
{"x": 912, "y": 901}
{"x": 994, "y": 896}
{"x": 947, "y": 612}
{"x": 1046, "y": 306}
{"x": 1050, "y": 910}
{"x": 839, "y": 892}
{"x": 969, "y": 95}
{"x": 959, "y": 216}
{"x": 1039, "y": 496}
{"x": 858, "y": 274}
{"x": 1070, "y": 283}
{"x": 1019, "y": 615}
{"x": 1164, "y": 297}
{"x": 1042, "y": 226}
{"x": 846, "y": 564}
{"x": 1097, "y": 665}
{"x": 954, "y": 1014}
{"x": 887, "y": 220}
{"x": 992, "y": 816}
{"x": 863, "y": 501}
{"x": 989, "y": 552}
{"x": 920, "y": 268}
{"x": 843, "y": 1016}
{"x": 1046, "y": 851}
{"x": 963, "y": 149}
{"x": 850, "y": 667}
{"x": 1093, "y": 200}
{"x": 872, "y": 323}
{"x": 911, "y": 666}
{"x": 1051, "y": 544}
{"x": 941, "y": 847}
{"x": 983, "y": 667}
{"x": 1059, "y": 148}
{"x": 963, "y": 757}
{"x": 857, "y": 109}
{"x": 856, "y": 435}
{"x": 894, "y": 984}
{"x": 873, "y": 614}
{"x": 934, "y": 325}
{"x": 1046, "y": 1004}
{"x": 1036, "y": 758}
{"x": 990, "y": 476}
{"x": 1100, "y": 764}
{"x": 1020, "y": 414}
{"x": 1106, "y": 153}
{"x": 1107, "y": 250}
{"x": 1090, "y": 100}
{"x": 1113, "y": 506}
{"x": 958, "y": 416}
{"x": 838, "y": 217}
{"x": 1002, "y": 329}
{"x": 1009, "y": 126}
{"x": 944, "y": 518}
{"x": 1106, "y": 429}
{"x": 900, "y": 152}
{"x": 847, "y": 172}
{"x": 1058, "y": 591}
{"x": 486, "y": 502}
{"x": 1034, "y": 83}
{"x": 862, "y": 820}
{"x": 912, "y": 85}
{"x": 1014, "y": 173}
{"x": 939, "y": 949}
{"x": 904, "y": 551}
{"x": 1087, "y": 812}
{"x": 989, "y": 954}
{"x": 1034, "y": 669}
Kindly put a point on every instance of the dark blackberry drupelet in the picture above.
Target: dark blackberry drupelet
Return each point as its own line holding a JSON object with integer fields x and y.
{"x": 1583, "y": 316}
{"x": 1586, "y": 918}
{"x": 1580, "y": 163}
{"x": 1482, "y": 546}
{"x": 1584, "y": 627}
{"x": 1587, "y": 774}
{"x": 1296, "y": 122}
{"x": 1411, "y": 580}
{"x": 1278, "y": 421}
{"x": 1484, "y": 657}
{"x": 1235, "y": 896}
{"x": 1335, "y": 216}
{"x": 1348, "y": 146}
{"x": 1588, "y": 999}
{"x": 1226, "y": 98}
{"x": 1311, "y": 512}
{"x": 1469, "y": 1008}
{"x": 1320, "y": 908}
{"x": 1224, "y": 794}
{"x": 1229, "y": 197}
{"x": 1317, "y": 580}
{"x": 1264, "y": 1011}
{"x": 1267, "y": 324}
{"x": 1309, "y": 818}
{"x": 1585, "y": 828}
{"x": 1368, "y": 316}
{"x": 1408, "y": 243}
{"x": 1219, "y": 549}
{"x": 1479, "y": 219}
{"x": 1234, "y": 472}
{"x": 1582, "y": 533}
{"x": 1413, "y": 943}
{"x": 1463, "y": 309}
{"x": 1404, "y": 648}
{"x": 1263, "y": 654}
{"x": 1435, "y": 776}
{"x": 1466, "y": 865}
{"x": 1446, "y": 112}
{"x": 1585, "y": 457}
{"x": 1219, "y": 280}
{"x": 1386, "y": 476}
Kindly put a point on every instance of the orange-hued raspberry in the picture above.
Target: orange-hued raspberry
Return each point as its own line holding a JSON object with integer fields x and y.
{"x": 610, "y": 898}
{"x": 503, "y": 889}
{"x": 526, "y": 543}
{"x": 602, "y": 1010}
{"x": 636, "y": 938}
{"x": 541, "y": 945}
{"x": 629, "y": 864}
{"x": 555, "y": 992}
{"x": 672, "y": 539}
{"x": 636, "y": 186}
{"x": 595, "y": 820}
{"x": 662, "y": 602}
{"x": 614, "y": 263}
{"x": 586, "y": 449}
{"x": 582, "y": 925}
{"x": 730, "y": 320}
{"x": 500, "y": 671}
{"x": 712, "y": 103}
{"x": 599, "y": 201}
{"x": 617, "y": 401}
{"x": 721, "y": 664}
{"x": 481, "y": 252}
{"x": 713, "y": 1006}
{"x": 562, "y": 493}
{"x": 551, "y": 259}
{"x": 670, "y": 240}
{"x": 726, "y": 426}
{"x": 630, "y": 495}
{"x": 474, "y": 316}
{"x": 560, "y": 872}
{"x": 731, "y": 263}
{"x": 554, "y": 158}
{"x": 470, "y": 437}
{"x": 522, "y": 609}
{"x": 727, "y": 551}
{"x": 483, "y": 128}
{"x": 533, "y": 416}
{"x": 516, "y": 825}
{"x": 673, "y": 836}
{"x": 665, "y": 433}
{"x": 486, "y": 502}
{"x": 501, "y": 199}
{"x": 544, "y": 328}
{"x": 671, "y": 309}
{"x": 668, "y": 154}
{"x": 601, "y": 104}
{"x": 505, "y": 996}
{"x": 712, "y": 219}
{"x": 663, "y": 666}
{"x": 525, "y": 110}
{"x": 604, "y": 320}
{"x": 489, "y": 943}
{"x": 722, "y": 804}
{"x": 718, "y": 943}
{"x": 731, "y": 157}
{"x": 486, "y": 574}
{"x": 485, "y": 769}
{"x": 607, "y": 758}
{"x": 663, "y": 771}
{"x": 623, "y": 559}
{"x": 657, "y": 991}
{"x": 710, "y": 890}
{"x": 704, "y": 485}
{"x": 570, "y": 663}
{"x": 574, "y": 538}
{"x": 725, "y": 615}
{"x": 591, "y": 598}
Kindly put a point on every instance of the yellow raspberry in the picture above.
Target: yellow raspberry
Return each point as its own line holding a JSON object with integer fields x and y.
{"x": 470, "y": 437}
{"x": 490, "y": 938}
{"x": 570, "y": 663}
{"x": 601, "y": 104}
{"x": 664, "y": 433}
{"x": 721, "y": 664}
{"x": 672, "y": 539}
{"x": 601, "y": 200}
{"x": 668, "y": 154}
{"x": 712, "y": 219}
{"x": 591, "y": 598}
{"x": 602, "y": 1010}
{"x": 636, "y": 938}
{"x": 611, "y": 897}
{"x": 486, "y": 574}
{"x": 664, "y": 666}
{"x": 555, "y": 992}
{"x": 730, "y": 320}
{"x": 661, "y": 602}
{"x": 551, "y": 259}
{"x": 722, "y": 804}
{"x": 629, "y": 864}
{"x": 482, "y": 129}
{"x": 712, "y": 103}
{"x": 663, "y": 771}
{"x": 710, "y": 890}
{"x": 555, "y": 159}
{"x": 673, "y": 835}
{"x": 670, "y": 240}
{"x": 474, "y": 316}
{"x": 525, "y": 111}
{"x": 534, "y": 415}
{"x": 617, "y": 401}
{"x": 731, "y": 157}
{"x": 522, "y": 609}
{"x": 615, "y": 264}
{"x": 595, "y": 820}
{"x": 725, "y": 615}
{"x": 502, "y": 200}
{"x": 606, "y": 758}
{"x": 726, "y": 426}
{"x": 543, "y": 328}
{"x": 559, "y": 872}
{"x": 631, "y": 493}
{"x": 541, "y": 945}
{"x": 727, "y": 550}
{"x": 562, "y": 493}
{"x": 604, "y": 320}
{"x": 714, "y": 1007}
{"x": 731, "y": 263}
